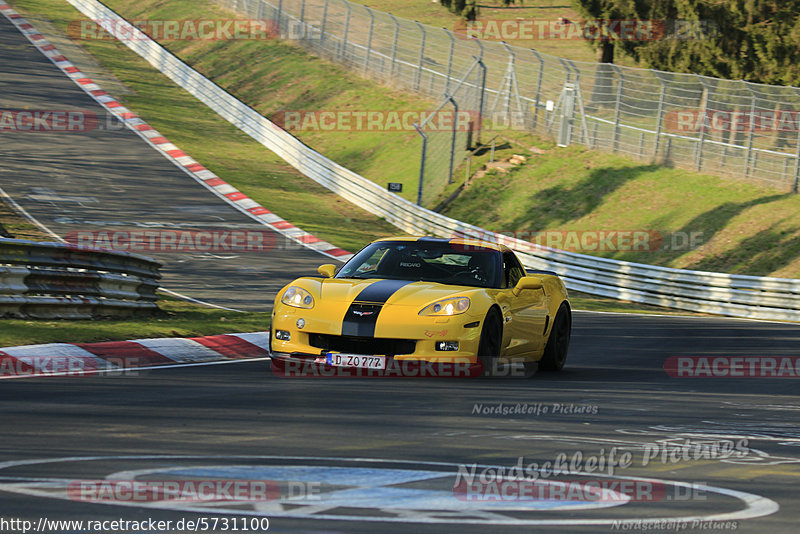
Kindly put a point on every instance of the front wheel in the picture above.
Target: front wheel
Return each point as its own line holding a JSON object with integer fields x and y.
{"x": 555, "y": 352}
{"x": 491, "y": 339}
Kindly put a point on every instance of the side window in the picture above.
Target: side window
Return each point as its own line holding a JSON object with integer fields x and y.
{"x": 512, "y": 270}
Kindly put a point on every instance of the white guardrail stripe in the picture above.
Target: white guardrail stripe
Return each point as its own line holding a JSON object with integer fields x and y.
{"x": 725, "y": 294}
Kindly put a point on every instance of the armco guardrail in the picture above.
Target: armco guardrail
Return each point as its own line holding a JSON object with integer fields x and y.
{"x": 57, "y": 280}
{"x": 732, "y": 295}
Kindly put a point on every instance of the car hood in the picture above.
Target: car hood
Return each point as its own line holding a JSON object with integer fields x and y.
{"x": 392, "y": 292}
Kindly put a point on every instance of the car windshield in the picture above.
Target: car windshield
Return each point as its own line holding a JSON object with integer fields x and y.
{"x": 429, "y": 261}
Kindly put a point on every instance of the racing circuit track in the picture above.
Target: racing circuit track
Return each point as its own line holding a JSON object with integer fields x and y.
{"x": 387, "y": 449}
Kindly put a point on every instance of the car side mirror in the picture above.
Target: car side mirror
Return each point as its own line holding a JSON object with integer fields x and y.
{"x": 527, "y": 282}
{"x": 327, "y": 270}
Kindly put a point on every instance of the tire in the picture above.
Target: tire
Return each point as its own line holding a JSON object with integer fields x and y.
{"x": 491, "y": 339}
{"x": 555, "y": 352}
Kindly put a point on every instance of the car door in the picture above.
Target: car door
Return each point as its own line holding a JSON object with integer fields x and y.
{"x": 524, "y": 315}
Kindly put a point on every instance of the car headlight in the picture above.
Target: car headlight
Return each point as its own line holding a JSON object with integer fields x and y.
{"x": 451, "y": 306}
{"x": 297, "y": 297}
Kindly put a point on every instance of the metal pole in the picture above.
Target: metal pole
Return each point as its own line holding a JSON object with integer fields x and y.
{"x": 346, "y": 32}
{"x": 324, "y": 21}
{"x": 422, "y": 163}
{"x": 482, "y": 98}
{"x": 616, "y": 108}
{"x": 538, "y": 88}
{"x": 797, "y": 159}
{"x": 581, "y": 109}
{"x": 641, "y": 145}
{"x": 418, "y": 79}
{"x": 704, "y": 117}
{"x": 302, "y": 14}
{"x": 278, "y": 16}
{"x": 797, "y": 165}
{"x": 453, "y": 140}
{"x": 369, "y": 39}
{"x": 749, "y": 153}
{"x": 449, "y": 61}
{"x": 660, "y": 117}
{"x": 394, "y": 44}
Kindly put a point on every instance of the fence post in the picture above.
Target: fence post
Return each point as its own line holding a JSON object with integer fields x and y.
{"x": 453, "y": 140}
{"x": 324, "y": 21}
{"x": 418, "y": 78}
{"x": 660, "y": 116}
{"x": 581, "y": 109}
{"x": 369, "y": 40}
{"x": 698, "y": 161}
{"x": 449, "y": 61}
{"x": 616, "y": 107}
{"x": 749, "y": 154}
{"x": 797, "y": 165}
{"x": 482, "y": 93}
{"x": 302, "y": 14}
{"x": 343, "y": 53}
{"x": 422, "y": 163}
{"x": 394, "y": 44}
{"x": 260, "y": 13}
{"x": 538, "y": 88}
{"x": 277, "y": 15}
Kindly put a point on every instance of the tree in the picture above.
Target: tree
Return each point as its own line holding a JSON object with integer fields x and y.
{"x": 597, "y": 11}
{"x": 753, "y": 40}
{"x": 466, "y": 9}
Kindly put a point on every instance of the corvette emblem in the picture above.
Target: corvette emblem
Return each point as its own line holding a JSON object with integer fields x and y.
{"x": 362, "y": 313}
{"x": 431, "y": 333}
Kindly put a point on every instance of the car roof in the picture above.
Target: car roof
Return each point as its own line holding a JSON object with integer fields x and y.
{"x": 455, "y": 240}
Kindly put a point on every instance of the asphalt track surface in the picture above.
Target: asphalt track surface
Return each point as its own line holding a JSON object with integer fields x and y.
{"x": 109, "y": 179}
{"x": 388, "y": 449}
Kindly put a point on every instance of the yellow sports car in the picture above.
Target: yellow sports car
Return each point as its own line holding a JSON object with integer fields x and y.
{"x": 408, "y": 303}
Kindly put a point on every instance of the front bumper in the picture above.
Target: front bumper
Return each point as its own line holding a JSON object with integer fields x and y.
{"x": 416, "y": 337}
{"x": 299, "y": 365}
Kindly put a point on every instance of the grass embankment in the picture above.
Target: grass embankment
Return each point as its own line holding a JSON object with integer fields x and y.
{"x": 744, "y": 228}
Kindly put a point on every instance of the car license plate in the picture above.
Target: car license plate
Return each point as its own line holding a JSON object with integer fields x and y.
{"x": 356, "y": 360}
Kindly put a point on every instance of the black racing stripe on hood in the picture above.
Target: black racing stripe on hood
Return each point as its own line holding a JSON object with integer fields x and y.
{"x": 362, "y": 315}
{"x": 380, "y": 291}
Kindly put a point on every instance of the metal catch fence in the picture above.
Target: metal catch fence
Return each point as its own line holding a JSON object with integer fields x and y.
{"x": 706, "y": 124}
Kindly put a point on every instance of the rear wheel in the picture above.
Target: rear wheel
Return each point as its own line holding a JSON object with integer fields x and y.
{"x": 555, "y": 352}
{"x": 491, "y": 338}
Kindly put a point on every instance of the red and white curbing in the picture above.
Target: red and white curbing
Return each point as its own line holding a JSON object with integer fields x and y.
{"x": 185, "y": 162}
{"x": 82, "y": 359}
